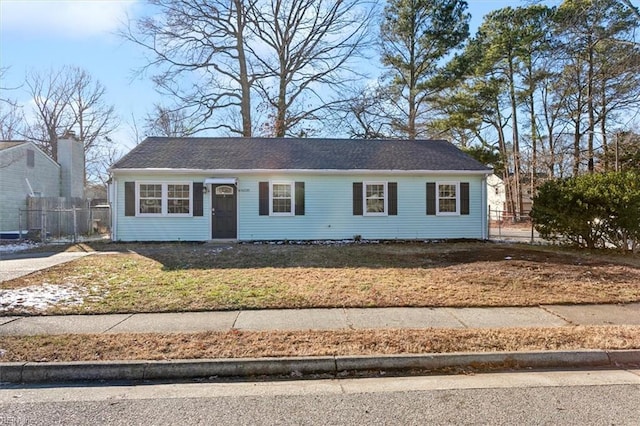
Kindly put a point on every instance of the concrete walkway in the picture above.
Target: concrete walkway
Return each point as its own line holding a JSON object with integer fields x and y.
{"x": 326, "y": 319}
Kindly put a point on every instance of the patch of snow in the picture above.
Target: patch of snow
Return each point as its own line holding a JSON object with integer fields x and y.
{"x": 14, "y": 247}
{"x": 40, "y": 297}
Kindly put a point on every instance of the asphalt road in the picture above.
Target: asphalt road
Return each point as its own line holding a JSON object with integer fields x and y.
{"x": 570, "y": 397}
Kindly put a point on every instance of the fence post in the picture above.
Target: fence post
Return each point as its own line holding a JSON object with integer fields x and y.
{"x": 20, "y": 225}
{"x": 43, "y": 228}
{"x": 532, "y": 239}
{"x": 75, "y": 225}
{"x": 489, "y": 225}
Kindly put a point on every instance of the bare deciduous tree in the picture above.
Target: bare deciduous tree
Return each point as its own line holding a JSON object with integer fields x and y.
{"x": 165, "y": 121}
{"x": 92, "y": 117}
{"x": 199, "y": 47}
{"x": 70, "y": 99}
{"x": 218, "y": 58}
{"x": 305, "y": 51}
{"x": 364, "y": 116}
{"x": 98, "y": 162}
{"x": 51, "y": 93}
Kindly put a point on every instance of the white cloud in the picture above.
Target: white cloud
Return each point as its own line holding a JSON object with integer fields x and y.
{"x": 68, "y": 18}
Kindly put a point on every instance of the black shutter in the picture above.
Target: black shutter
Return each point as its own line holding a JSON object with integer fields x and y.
{"x": 299, "y": 198}
{"x": 464, "y": 197}
{"x": 357, "y": 198}
{"x": 197, "y": 199}
{"x": 431, "y": 198}
{"x": 263, "y": 198}
{"x": 393, "y": 198}
{"x": 129, "y": 198}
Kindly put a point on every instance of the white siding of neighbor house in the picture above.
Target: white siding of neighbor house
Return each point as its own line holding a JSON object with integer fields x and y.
{"x": 328, "y": 211}
{"x": 44, "y": 178}
{"x": 496, "y": 196}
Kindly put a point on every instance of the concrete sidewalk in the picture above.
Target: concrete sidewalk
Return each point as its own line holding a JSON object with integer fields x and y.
{"x": 325, "y": 319}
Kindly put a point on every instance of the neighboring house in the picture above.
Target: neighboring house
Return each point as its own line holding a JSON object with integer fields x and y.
{"x": 26, "y": 171}
{"x": 198, "y": 189}
{"x": 496, "y": 197}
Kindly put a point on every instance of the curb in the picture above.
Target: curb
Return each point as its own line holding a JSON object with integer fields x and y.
{"x": 41, "y": 372}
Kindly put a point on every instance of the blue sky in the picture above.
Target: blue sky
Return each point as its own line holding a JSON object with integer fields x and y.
{"x": 43, "y": 34}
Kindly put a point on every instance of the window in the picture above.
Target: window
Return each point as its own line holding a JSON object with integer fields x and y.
{"x": 31, "y": 158}
{"x": 178, "y": 197}
{"x": 150, "y": 198}
{"x": 161, "y": 199}
{"x": 448, "y": 198}
{"x": 224, "y": 190}
{"x": 375, "y": 198}
{"x": 447, "y": 201}
{"x": 375, "y": 202}
{"x": 281, "y": 198}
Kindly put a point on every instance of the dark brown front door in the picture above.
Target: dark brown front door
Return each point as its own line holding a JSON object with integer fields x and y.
{"x": 224, "y": 211}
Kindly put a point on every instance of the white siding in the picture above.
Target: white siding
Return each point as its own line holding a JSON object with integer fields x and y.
{"x": 328, "y": 211}
{"x": 44, "y": 178}
{"x": 496, "y": 196}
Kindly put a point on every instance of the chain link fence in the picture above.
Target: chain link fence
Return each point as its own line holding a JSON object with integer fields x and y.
{"x": 504, "y": 226}
{"x": 60, "y": 219}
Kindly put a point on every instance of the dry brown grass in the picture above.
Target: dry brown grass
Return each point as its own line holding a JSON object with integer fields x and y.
{"x": 245, "y": 344}
{"x": 192, "y": 277}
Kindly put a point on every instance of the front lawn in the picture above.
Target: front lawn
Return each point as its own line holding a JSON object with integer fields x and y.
{"x": 191, "y": 277}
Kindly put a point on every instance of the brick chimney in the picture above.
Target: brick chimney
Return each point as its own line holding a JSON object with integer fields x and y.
{"x": 71, "y": 160}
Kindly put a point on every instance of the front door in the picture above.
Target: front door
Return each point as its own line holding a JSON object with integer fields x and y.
{"x": 223, "y": 212}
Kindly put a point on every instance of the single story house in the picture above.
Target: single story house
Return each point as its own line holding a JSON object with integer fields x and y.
{"x": 249, "y": 189}
{"x": 27, "y": 171}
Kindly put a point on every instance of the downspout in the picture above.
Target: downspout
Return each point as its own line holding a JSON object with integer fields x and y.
{"x": 114, "y": 209}
{"x": 485, "y": 222}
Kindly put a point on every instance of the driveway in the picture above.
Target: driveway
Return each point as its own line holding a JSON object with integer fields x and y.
{"x": 14, "y": 266}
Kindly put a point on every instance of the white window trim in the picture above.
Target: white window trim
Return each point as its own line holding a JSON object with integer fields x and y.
{"x": 164, "y": 201}
{"x": 364, "y": 199}
{"x": 293, "y": 198}
{"x": 457, "y": 212}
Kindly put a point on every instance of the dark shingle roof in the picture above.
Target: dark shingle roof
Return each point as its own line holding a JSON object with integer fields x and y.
{"x": 10, "y": 144}
{"x": 296, "y": 154}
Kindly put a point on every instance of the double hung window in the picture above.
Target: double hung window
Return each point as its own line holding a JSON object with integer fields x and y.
{"x": 164, "y": 199}
{"x": 282, "y": 198}
{"x": 375, "y": 198}
{"x": 447, "y": 198}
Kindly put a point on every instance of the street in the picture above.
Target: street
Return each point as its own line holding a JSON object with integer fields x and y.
{"x": 561, "y": 397}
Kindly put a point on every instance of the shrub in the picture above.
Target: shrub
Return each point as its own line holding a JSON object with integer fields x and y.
{"x": 594, "y": 210}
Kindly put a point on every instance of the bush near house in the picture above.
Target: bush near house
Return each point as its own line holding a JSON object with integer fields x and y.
{"x": 594, "y": 210}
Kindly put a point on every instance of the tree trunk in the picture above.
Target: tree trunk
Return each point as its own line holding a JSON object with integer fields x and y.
{"x": 590, "y": 107}
{"x": 502, "y": 146}
{"x": 411, "y": 123}
{"x": 576, "y": 149}
{"x": 516, "y": 140}
{"x": 603, "y": 125}
{"x": 245, "y": 85}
